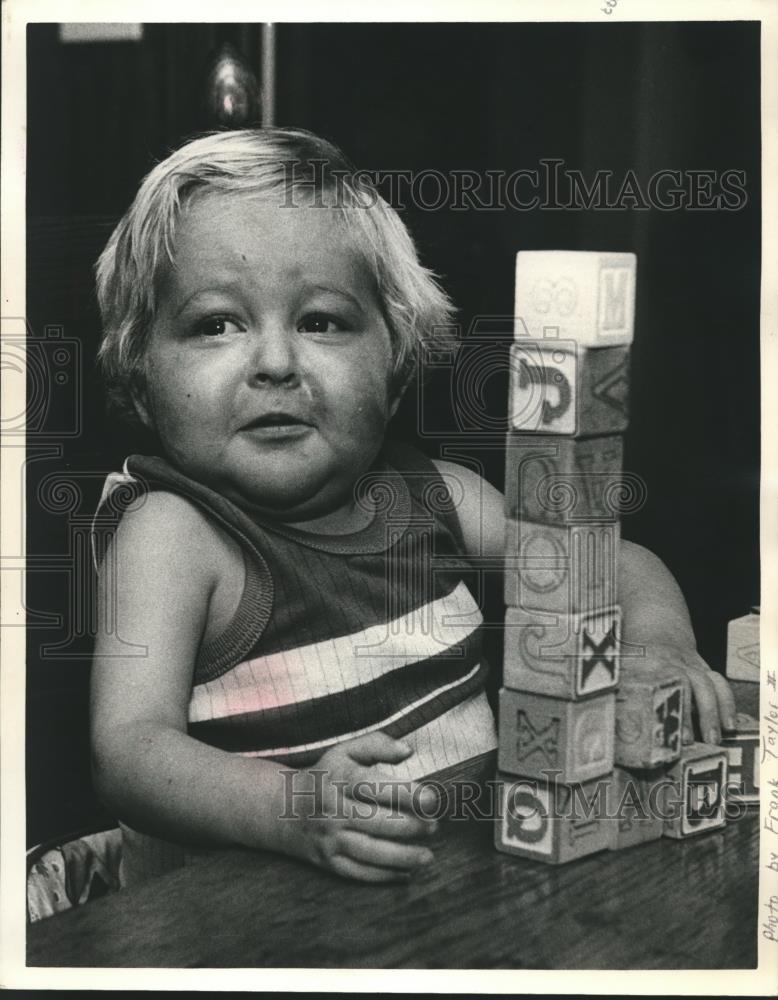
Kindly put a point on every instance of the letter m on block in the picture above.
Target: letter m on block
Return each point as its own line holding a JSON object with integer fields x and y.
{"x": 613, "y": 299}
{"x": 588, "y": 803}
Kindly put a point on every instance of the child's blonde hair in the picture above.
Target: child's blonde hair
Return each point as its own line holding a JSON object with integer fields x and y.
{"x": 300, "y": 168}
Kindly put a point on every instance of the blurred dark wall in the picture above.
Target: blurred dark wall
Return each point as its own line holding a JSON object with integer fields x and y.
{"x": 418, "y": 97}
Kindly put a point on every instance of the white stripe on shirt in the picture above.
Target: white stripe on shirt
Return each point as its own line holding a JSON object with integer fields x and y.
{"x": 336, "y": 665}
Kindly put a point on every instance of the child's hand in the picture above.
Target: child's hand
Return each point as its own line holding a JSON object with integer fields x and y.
{"x": 358, "y": 823}
{"x": 707, "y": 690}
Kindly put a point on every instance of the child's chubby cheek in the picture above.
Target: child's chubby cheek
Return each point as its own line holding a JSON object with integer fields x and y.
{"x": 349, "y": 433}
{"x": 366, "y": 422}
{"x": 302, "y": 473}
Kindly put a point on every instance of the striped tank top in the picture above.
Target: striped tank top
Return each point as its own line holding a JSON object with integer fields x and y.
{"x": 336, "y": 636}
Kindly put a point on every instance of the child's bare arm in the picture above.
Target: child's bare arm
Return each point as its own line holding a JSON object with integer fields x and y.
{"x": 655, "y": 616}
{"x": 159, "y": 779}
{"x": 653, "y": 608}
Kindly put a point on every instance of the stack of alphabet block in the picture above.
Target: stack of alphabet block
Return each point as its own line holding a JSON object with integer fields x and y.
{"x": 581, "y": 750}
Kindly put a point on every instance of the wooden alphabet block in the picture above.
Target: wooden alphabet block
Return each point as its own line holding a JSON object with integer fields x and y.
{"x": 634, "y": 813}
{"x": 743, "y": 649}
{"x": 588, "y": 296}
{"x": 554, "y": 740}
{"x": 552, "y": 823}
{"x": 743, "y": 752}
{"x": 558, "y": 389}
{"x": 565, "y": 569}
{"x": 564, "y": 656}
{"x": 694, "y": 797}
{"x": 649, "y": 716}
{"x": 560, "y": 480}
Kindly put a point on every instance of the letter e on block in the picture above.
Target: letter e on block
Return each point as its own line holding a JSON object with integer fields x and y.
{"x": 743, "y": 753}
{"x": 695, "y": 802}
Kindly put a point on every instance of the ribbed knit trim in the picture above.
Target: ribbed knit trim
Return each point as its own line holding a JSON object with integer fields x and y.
{"x": 256, "y": 603}
{"x": 391, "y": 519}
{"x": 242, "y": 632}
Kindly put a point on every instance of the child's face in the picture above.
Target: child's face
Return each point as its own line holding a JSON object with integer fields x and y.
{"x": 267, "y": 369}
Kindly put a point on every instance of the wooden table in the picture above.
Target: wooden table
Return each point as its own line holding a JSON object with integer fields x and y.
{"x": 667, "y": 904}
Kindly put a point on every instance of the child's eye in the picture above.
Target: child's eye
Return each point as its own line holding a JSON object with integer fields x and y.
{"x": 215, "y": 326}
{"x": 318, "y": 322}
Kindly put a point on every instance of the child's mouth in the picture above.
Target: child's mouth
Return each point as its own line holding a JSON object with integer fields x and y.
{"x": 277, "y": 425}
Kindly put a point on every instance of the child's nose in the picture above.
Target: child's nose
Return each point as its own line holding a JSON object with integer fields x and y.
{"x": 274, "y": 358}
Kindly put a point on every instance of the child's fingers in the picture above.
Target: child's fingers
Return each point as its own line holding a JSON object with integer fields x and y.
{"x": 377, "y": 748}
{"x": 384, "y": 853}
{"x": 390, "y": 823}
{"x": 726, "y": 700}
{"x": 409, "y": 796}
{"x": 707, "y": 702}
{"x": 688, "y": 701}
{"x": 350, "y": 868}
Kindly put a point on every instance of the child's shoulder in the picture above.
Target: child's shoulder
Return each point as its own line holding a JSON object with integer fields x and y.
{"x": 166, "y": 544}
{"x": 172, "y": 532}
{"x": 458, "y": 478}
{"x": 479, "y": 507}
{"x": 164, "y": 513}
{"x": 467, "y": 486}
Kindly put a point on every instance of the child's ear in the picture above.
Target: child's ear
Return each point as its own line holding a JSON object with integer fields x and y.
{"x": 140, "y": 402}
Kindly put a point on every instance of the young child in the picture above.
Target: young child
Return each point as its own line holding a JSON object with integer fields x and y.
{"x": 293, "y": 580}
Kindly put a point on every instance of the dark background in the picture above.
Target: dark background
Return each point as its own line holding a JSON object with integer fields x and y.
{"x": 479, "y": 97}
